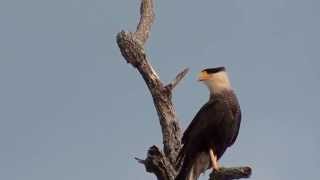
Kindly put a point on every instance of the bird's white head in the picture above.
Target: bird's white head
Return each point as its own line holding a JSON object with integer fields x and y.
{"x": 216, "y": 79}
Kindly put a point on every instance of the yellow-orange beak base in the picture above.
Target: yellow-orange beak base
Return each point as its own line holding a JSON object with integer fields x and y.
{"x": 203, "y": 75}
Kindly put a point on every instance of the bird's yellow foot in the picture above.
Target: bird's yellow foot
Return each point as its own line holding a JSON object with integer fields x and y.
{"x": 214, "y": 161}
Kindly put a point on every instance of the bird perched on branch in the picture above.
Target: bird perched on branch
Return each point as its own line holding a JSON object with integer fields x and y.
{"x": 214, "y": 128}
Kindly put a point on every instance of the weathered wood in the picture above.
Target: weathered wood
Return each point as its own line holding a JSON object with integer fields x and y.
{"x": 147, "y": 17}
{"x": 131, "y": 46}
{"x": 157, "y": 163}
{"x": 231, "y": 173}
{"x": 176, "y": 80}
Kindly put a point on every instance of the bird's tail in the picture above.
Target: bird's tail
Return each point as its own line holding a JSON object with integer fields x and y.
{"x": 193, "y": 167}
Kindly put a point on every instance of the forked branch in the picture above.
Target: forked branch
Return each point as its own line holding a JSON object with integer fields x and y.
{"x": 131, "y": 47}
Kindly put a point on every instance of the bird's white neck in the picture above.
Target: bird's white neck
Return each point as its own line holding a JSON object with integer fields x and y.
{"x": 218, "y": 82}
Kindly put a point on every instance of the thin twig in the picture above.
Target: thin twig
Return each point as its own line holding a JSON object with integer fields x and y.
{"x": 141, "y": 161}
{"x": 176, "y": 80}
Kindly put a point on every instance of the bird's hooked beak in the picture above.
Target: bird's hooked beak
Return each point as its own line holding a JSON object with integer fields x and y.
{"x": 203, "y": 75}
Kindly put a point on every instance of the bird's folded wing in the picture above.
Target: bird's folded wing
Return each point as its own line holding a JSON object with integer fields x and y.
{"x": 209, "y": 116}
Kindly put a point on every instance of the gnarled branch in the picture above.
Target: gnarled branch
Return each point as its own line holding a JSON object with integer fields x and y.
{"x": 131, "y": 47}
{"x": 157, "y": 163}
{"x": 163, "y": 165}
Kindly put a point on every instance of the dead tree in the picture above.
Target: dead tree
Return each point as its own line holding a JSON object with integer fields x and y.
{"x": 162, "y": 163}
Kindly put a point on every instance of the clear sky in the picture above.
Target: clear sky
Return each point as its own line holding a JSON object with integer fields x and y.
{"x": 71, "y": 108}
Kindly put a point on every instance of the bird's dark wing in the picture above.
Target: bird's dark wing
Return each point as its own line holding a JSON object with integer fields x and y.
{"x": 238, "y": 121}
{"x": 236, "y": 112}
{"x": 210, "y": 114}
{"x": 208, "y": 118}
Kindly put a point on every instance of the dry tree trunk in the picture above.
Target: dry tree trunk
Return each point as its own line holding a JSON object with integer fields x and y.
{"x": 162, "y": 164}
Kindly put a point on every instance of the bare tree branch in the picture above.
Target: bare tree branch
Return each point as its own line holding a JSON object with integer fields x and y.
{"x": 231, "y": 173}
{"x": 146, "y": 20}
{"x": 131, "y": 47}
{"x": 163, "y": 165}
{"x": 157, "y": 163}
{"x": 178, "y": 78}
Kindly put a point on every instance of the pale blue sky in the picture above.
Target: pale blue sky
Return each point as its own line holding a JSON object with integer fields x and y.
{"x": 71, "y": 108}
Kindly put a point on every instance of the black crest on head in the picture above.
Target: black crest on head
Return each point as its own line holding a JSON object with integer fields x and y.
{"x": 214, "y": 70}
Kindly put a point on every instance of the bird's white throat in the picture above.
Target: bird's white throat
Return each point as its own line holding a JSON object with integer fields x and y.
{"x": 218, "y": 82}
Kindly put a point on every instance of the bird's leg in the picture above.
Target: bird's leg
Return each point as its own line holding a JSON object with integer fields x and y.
{"x": 214, "y": 160}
